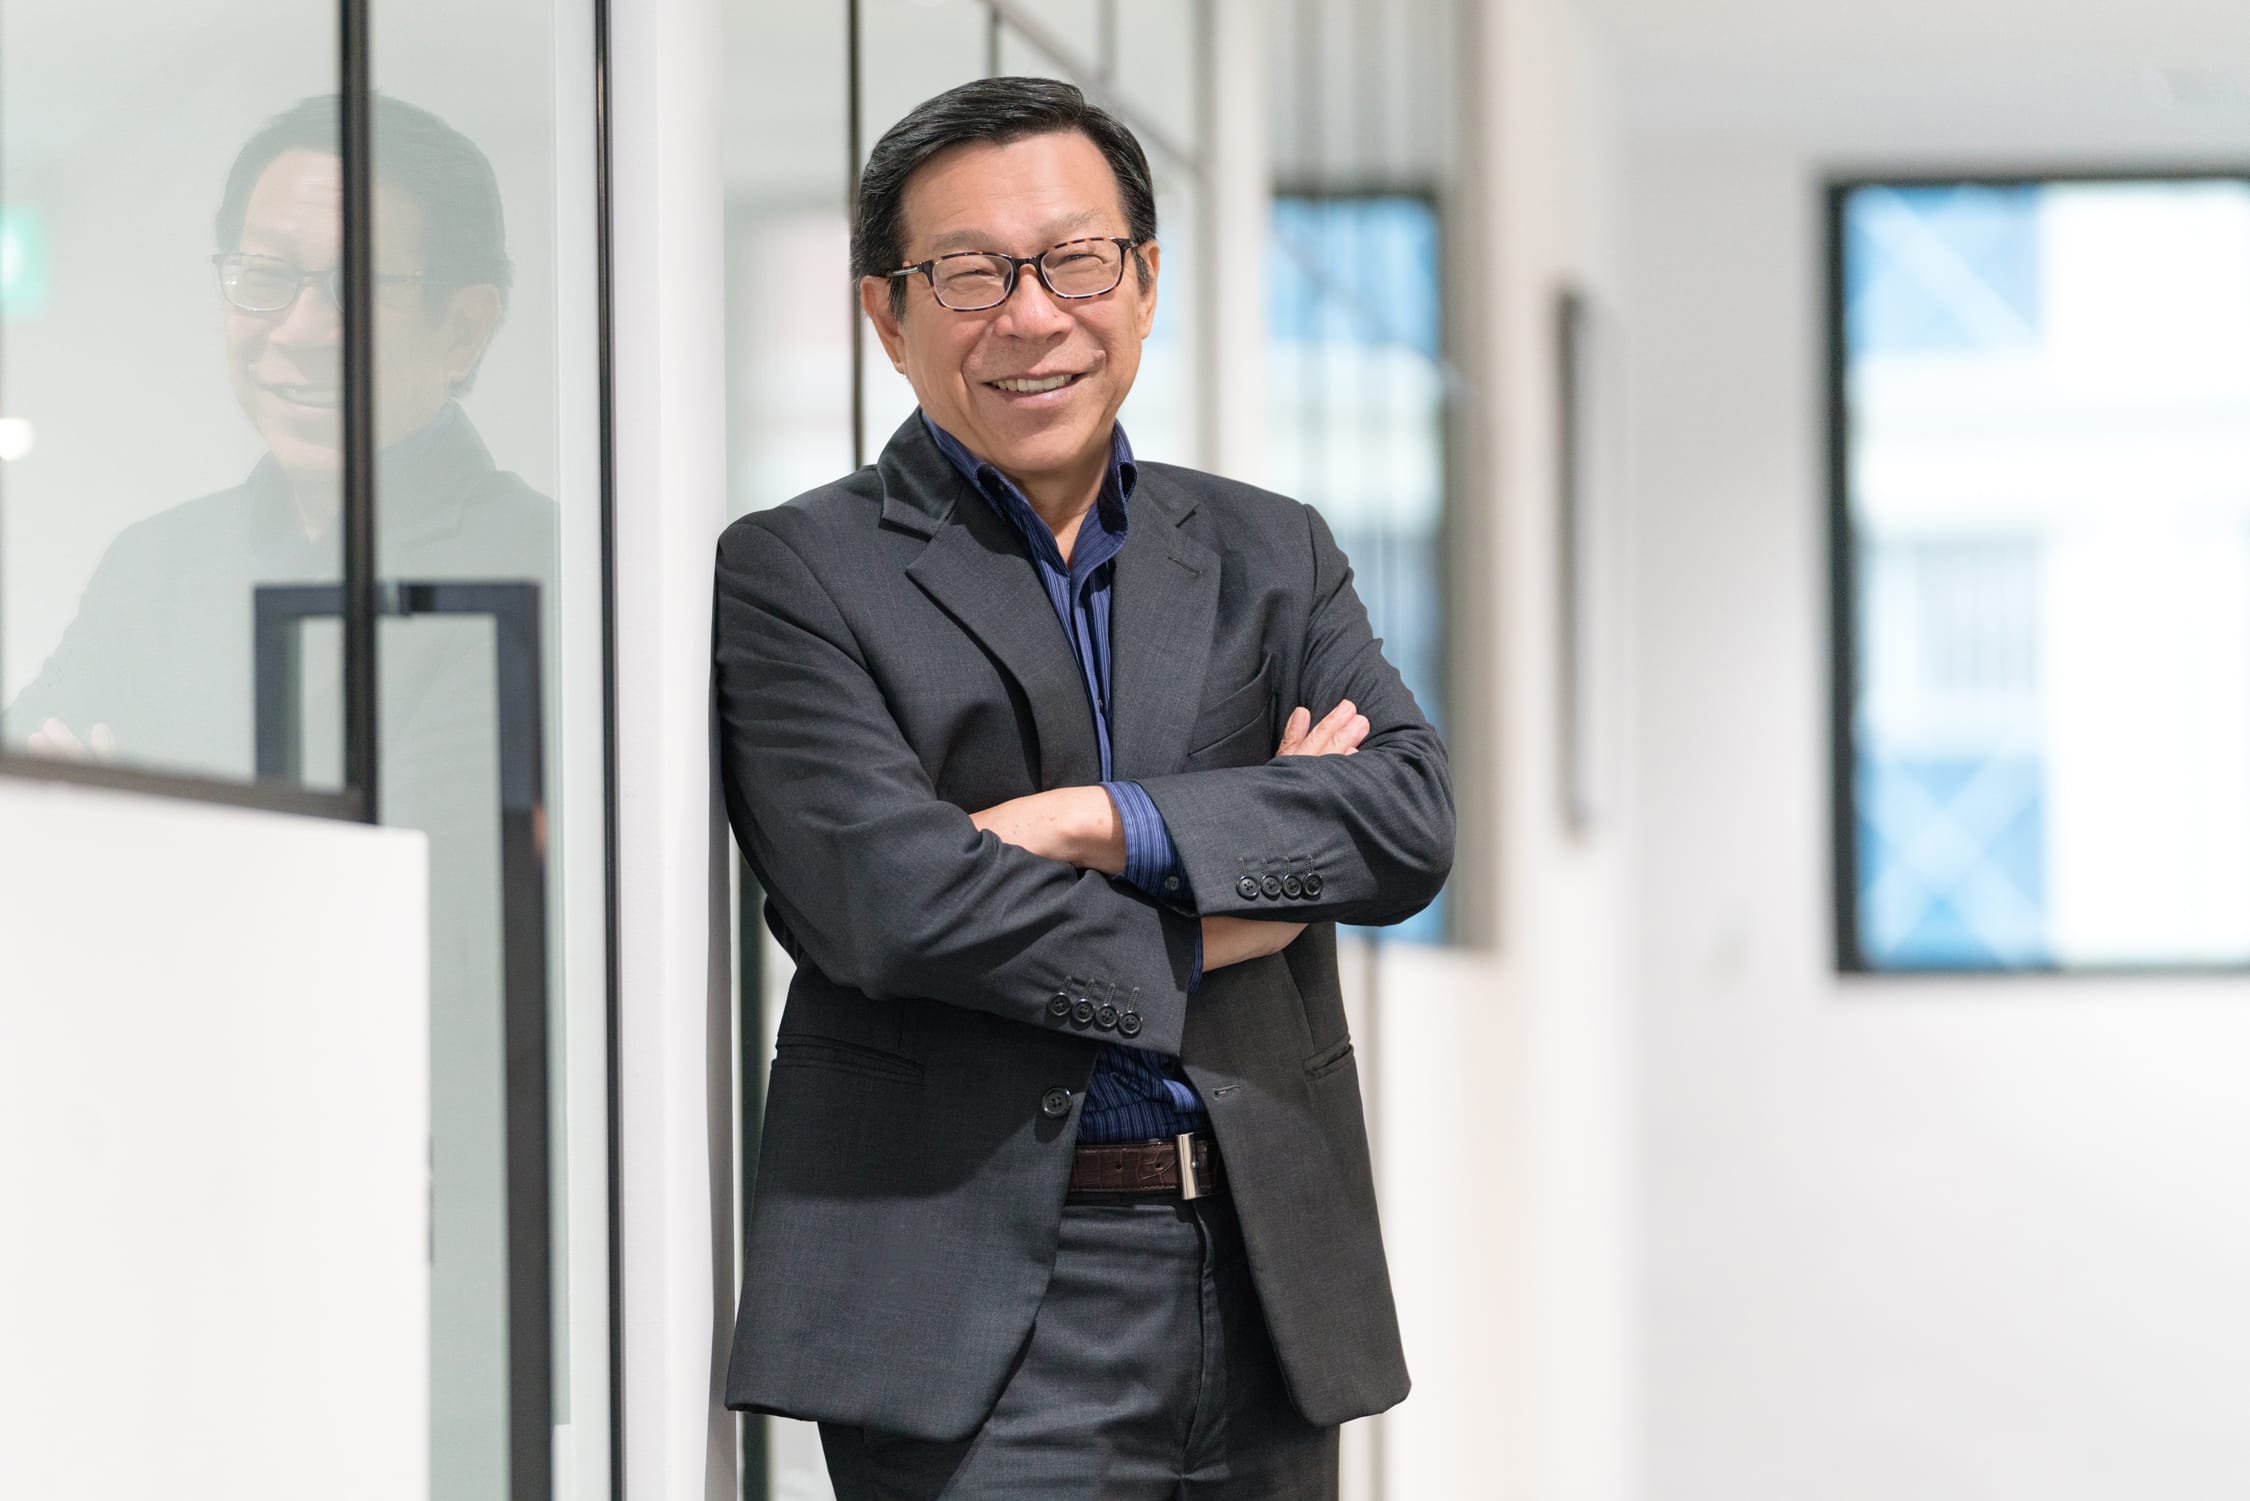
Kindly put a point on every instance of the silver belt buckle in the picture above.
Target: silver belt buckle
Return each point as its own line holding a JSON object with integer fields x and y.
{"x": 1189, "y": 1188}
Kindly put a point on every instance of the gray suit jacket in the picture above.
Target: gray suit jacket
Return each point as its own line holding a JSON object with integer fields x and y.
{"x": 887, "y": 662}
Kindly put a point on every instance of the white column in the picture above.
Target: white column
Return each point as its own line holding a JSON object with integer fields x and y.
{"x": 1238, "y": 190}
{"x": 670, "y": 443}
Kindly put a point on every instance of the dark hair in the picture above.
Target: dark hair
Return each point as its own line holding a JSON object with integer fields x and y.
{"x": 996, "y": 110}
{"x": 438, "y": 169}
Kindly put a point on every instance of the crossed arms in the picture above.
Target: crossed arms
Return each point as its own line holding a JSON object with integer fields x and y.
{"x": 884, "y": 887}
{"x": 1080, "y": 826}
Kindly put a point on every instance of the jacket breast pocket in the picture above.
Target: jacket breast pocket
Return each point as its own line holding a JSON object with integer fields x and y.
{"x": 1238, "y": 727}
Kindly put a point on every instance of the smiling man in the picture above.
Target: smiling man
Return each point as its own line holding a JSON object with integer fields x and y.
{"x": 1064, "y": 1187}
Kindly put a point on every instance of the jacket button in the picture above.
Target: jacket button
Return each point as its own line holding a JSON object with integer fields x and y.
{"x": 1247, "y": 887}
{"x": 1059, "y": 1006}
{"x": 1271, "y": 886}
{"x": 1106, "y": 1018}
{"x": 1055, "y": 1103}
{"x": 1292, "y": 887}
{"x": 1312, "y": 884}
{"x": 1130, "y": 1024}
{"x": 1083, "y": 1012}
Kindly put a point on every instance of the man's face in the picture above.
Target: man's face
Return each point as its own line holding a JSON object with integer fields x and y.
{"x": 286, "y": 366}
{"x": 1019, "y": 198}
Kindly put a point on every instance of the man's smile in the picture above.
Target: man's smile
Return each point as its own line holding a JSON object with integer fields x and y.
{"x": 1035, "y": 385}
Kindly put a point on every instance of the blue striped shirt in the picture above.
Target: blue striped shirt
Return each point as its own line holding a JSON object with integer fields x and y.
{"x": 1135, "y": 1094}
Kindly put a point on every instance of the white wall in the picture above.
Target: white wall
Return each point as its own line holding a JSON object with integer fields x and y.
{"x": 1927, "y": 1240}
{"x": 1498, "y": 1069}
{"x": 214, "y": 1152}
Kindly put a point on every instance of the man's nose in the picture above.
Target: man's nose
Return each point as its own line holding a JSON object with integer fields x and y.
{"x": 1031, "y": 310}
{"x": 310, "y": 319}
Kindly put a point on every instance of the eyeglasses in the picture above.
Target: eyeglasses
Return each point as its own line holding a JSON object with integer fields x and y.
{"x": 265, "y": 284}
{"x": 969, "y": 281}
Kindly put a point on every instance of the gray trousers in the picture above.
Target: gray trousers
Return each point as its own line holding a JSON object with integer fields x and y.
{"x": 1149, "y": 1376}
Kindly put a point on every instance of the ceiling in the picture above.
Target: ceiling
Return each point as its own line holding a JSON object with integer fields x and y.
{"x": 2132, "y": 72}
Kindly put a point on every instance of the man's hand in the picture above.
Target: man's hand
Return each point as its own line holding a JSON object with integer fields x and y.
{"x": 54, "y": 738}
{"x": 1076, "y": 825}
{"x": 1230, "y": 940}
{"x": 1337, "y": 735}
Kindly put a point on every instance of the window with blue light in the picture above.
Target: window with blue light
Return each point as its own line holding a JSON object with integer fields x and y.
{"x": 2041, "y": 476}
{"x": 1357, "y": 430}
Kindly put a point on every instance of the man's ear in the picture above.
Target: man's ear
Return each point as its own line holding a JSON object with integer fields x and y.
{"x": 472, "y": 317}
{"x": 1148, "y": 252}
{"x": 875, "y": 301}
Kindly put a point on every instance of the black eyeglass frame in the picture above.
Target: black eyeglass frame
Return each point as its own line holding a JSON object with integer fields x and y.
{"x": 330, "y": 282}
{"x": 1129, "y": 249}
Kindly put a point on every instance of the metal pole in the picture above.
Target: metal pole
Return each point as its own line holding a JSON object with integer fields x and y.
{"x": 355, "y": 148}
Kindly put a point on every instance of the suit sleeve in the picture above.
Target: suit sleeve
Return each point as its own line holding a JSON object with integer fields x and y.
{"x": 884, "y": 886}
{"x": 1372, "y": 831}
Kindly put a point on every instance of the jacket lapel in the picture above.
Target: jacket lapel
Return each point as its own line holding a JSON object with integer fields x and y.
{"x": 1164, "y": 602}
{"x": 976, "y": 570}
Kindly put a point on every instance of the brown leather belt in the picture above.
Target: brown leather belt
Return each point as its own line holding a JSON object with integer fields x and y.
{"x": 1149, "y": 1167}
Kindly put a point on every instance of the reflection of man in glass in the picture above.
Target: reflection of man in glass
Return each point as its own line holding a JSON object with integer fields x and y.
{"x": 156, "y": 667}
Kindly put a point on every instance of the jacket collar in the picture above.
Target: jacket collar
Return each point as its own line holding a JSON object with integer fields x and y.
{"x": 1163, "y": 608}
{"x": 922, "y": 487}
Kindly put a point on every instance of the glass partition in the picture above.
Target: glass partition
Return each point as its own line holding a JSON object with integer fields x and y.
{"x": 172, "y": 384}
{"x": 489, "y": 493}
{"x": 170, "y": 380}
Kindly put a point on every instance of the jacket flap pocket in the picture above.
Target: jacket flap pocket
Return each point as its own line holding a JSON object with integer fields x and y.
{"x": 1252, "y": 703}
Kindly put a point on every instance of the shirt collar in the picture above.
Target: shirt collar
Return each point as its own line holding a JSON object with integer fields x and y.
{"x": 1001, "y": 493}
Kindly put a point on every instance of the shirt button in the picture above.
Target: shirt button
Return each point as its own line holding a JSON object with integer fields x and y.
{"x": 1312, "y": 884}
{"x": 1058, "y": 1006}
{"x": 1171, "y": 883}
{"x": 1247, "y": 887}
{"x": 1292, "y": 887}
{"x": 1106, "y": 1018}
{"x": 1055, "y": 1103}
{"x": 1130, "y": 1024}
{"x": 1271, "y": 886}
{"x": 1083, "y": 1012}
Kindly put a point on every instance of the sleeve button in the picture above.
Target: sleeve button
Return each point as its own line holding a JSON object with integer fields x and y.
{"x": 1055, "y": 1103}
{"x": 1292, "y": 887}
{"x": 1247, "y": 887}
{"x": 1106, "y": 1018}
{"x": 1311, "y": 884}
{"x": 1058, "y": 1006}
{"x": 1129, "y": 1024}
{"x": 1271, "y": 886}
{"x": 1083, "y": 1012}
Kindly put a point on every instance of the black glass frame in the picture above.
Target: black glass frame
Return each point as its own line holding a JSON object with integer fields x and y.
{"x": 1850, "y": 955}
{"x": 1126, "y": 248}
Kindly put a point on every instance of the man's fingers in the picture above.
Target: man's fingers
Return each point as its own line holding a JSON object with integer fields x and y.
{"x": 1335, "y": 733}
{"x": 1339, "y": 732}
{"x": 54, "y": 738}
{"x": 1293, "y": 732}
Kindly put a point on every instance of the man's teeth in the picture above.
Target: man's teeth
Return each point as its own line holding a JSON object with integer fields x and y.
{"x": 1028, "y": 386}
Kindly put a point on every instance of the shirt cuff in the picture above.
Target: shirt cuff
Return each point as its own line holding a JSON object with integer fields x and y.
{"x": 1152, "y": 861}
